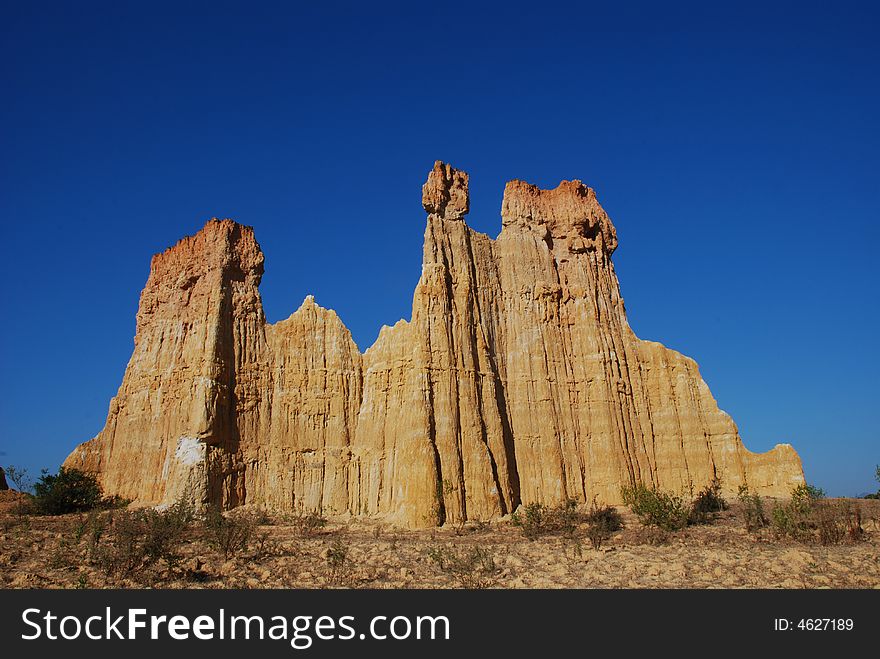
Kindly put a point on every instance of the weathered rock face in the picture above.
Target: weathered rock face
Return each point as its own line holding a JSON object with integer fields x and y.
{"x": 518, "y": 379}
{"x": 174, "y": 422}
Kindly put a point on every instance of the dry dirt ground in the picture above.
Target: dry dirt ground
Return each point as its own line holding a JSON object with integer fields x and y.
{"x": 56, "y": 552}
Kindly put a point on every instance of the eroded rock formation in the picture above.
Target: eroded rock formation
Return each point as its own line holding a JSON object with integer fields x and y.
{"x": 518, "y": 379}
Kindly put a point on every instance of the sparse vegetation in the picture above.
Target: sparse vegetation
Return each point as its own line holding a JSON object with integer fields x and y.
{"x": 338, "y": 558}
{"x": 472, "y": 567}
{"x": 807, "y": 517}
{"x": 838, "y": 522}
{"x": 174, "y": 548}
{"x": 19, "y": 477}
{"x": 708, "y": 503}
{"x": 808, "y": 491}
{"x": 654, "y": 507}
{"x": 793, "y": 519}
{"x": 532, "y": 519}
{"x": 602, "y": 522}
{"x": 138, "y": 539}
{"x": 536, "y": 519}
{"x": 69, "y": 491}
{"x": 64, "y": 555}
{"x": 752, "y": 509}
{"x": 230, "y": 533}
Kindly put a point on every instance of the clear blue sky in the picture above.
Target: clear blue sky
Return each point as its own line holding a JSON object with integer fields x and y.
{"x": 736, "y": 151}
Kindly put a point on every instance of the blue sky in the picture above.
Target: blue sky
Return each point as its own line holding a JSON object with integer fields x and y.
{"x": 735, "y": 149}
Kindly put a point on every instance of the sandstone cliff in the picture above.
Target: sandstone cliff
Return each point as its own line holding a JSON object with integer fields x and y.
{"x": 518, "y": 379}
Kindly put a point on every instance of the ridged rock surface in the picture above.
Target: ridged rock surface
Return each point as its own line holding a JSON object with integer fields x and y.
{"x": 517, "y": 380}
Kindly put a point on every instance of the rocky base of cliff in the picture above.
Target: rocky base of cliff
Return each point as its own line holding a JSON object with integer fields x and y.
{"x": 42, "y": 553}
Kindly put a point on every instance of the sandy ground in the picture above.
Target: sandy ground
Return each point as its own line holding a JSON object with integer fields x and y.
{"x": 44, "y": 552}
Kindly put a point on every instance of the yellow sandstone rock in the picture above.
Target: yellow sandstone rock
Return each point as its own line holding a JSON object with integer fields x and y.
{"x": 518, "y": 379}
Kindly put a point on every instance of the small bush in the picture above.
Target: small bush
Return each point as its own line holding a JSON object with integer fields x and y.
{"x": 655, "y": 507}
{"x": 138, "y": 539}
{"x": 602, "y": 522}
{"x": 752, "y": 509}
{"x": 229, "y": 533}
{"x": 167, "y": 529}
{"x": 19, "y": 477}
{"x": 707, "y": 503}
{"x": 792, "y": 521}
{"x": 70, "y": 491}
{"x": 838, "y": 522}
{"x": 565, "y": 517}
{"x": 807, "y": 517}
{"x": 96, "y": 527}
{"x": 807, "y": 491}
{"x": 91, "y": 528}
{"x": 472, "y": 568}
{"x": 536, "y": 519}
{"x": 532, "y": 519}
{"x": 338, "y": 562}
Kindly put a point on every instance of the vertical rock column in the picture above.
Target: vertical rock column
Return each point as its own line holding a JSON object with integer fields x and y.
{"x": 455, "y": 309}
{"x": 434, "y": 444}
{"x": 172, "y": 425}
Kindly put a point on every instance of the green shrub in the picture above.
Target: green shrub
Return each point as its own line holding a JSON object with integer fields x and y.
{"x": 565, "y": 517}
{"x": 707, "y": 503}
{"x": 807, "y": 517}
{"x": 795, "y": 518}
{"x": 70, "y": 491}
{"x": 807, "y": 493}
{"x": 602, "y": 522}
{"x": 532, "y": 519}
{"x": 791, "y": 520}
{"x": 138, "y": 539}
{"x": 96, "y": 526}
{"x": 339, "y": 562}
{"x": 655, "y": 507}
{"x": 536, "y": 519}
{"x": 752, "y": 509}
